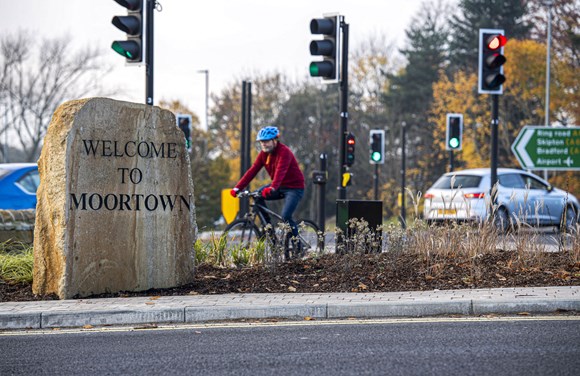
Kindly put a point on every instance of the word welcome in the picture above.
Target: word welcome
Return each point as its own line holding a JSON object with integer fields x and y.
{"x": 133, "y": 202}
{"x": 143, "y": 149}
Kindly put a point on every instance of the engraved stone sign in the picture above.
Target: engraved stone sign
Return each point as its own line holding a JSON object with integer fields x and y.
{"x": 115, "y": 205}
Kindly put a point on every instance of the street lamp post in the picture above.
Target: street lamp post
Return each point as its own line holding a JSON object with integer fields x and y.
{"x": 206, "y": 72}
{"x": 549, "y": 4}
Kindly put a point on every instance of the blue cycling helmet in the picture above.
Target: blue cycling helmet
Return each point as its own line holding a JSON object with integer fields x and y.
{"x": 267, "y": 133}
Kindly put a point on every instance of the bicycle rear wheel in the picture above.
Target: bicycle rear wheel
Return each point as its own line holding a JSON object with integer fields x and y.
{"x": 311, "y": 240}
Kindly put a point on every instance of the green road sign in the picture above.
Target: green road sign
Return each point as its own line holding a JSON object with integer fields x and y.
{"x": 548, "y": 148}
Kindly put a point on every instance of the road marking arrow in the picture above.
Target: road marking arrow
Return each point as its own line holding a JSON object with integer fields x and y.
{"x": 521, "y": 147}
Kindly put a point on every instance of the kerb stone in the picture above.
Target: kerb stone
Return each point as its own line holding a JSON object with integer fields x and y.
{"x": 115, "y": 203}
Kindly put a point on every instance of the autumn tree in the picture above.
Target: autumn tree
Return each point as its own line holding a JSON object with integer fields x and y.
{"x": 269, "y": 91}
{"x": 209, "y": 172}
{"x": 409, "y": 96}
{"x": 371, "y": 64}
{"x": 459, "y": 95}
{"x": 520, "y": 105}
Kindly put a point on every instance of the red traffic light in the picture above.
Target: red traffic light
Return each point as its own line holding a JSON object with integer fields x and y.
{"x": 349, "y": 144}
{"x": 496, "y": 41}
{"x": 491, "y": 61}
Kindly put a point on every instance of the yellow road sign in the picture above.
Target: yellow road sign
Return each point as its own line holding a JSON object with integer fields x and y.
{"x": 346, "y": 179}
{"x": 230, "y": 206}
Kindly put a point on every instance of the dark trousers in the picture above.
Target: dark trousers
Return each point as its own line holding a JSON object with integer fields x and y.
{"x": 291, "y": 196}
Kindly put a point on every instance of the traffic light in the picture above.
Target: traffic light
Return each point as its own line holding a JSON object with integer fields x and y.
{"x": 132, "y": 24}
{"x": 328, "y": 48}
{"x": 184, "y": 123}
{"x": 454, "y": 132}
{"x": 349, "y": 144}
{"x": 377, "y": 146}
{"x": 491, "y": 61}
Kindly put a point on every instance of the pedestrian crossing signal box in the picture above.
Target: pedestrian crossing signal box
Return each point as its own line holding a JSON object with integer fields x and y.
{"x": 349, "y": 215}
{"x": 319, "y": 177}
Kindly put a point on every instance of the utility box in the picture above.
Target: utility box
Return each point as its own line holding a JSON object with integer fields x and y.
{"x": 353, "y": 235}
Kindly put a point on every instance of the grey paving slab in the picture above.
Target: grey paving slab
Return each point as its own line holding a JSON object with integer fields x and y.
{"x": 199, "y": 308}
{"x": 113, "y": 316}
{"x": 197, "y": 314}
{"x": 398, "y": 309}
{"x": 540, "y": 305}
{"x": 16, "y": 320}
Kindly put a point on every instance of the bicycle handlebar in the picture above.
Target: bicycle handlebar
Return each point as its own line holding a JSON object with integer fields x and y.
{"x": 246, "y": 193}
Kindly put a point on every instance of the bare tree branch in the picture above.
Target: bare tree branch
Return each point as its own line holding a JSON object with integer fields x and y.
{"x": 36, "y": 77}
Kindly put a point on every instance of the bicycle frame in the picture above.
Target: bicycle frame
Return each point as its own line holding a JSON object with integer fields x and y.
{"x": 257, "y": 210}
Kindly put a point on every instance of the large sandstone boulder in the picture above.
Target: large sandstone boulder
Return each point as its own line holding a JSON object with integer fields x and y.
{"x": 115, "y": 205}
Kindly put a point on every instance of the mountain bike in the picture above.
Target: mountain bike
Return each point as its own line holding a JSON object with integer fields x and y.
{"x": 277, "y": 236}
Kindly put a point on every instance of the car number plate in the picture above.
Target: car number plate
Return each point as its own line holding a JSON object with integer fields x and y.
{"x": 446, "y": 211}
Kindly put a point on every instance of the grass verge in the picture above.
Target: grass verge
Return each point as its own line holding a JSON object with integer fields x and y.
{"x": 16, "y": 262}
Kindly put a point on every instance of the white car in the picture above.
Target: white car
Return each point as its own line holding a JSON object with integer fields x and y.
{"x": 521, "y": 197}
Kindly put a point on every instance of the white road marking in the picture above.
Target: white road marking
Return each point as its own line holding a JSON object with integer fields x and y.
{"x": 283, "y": 323}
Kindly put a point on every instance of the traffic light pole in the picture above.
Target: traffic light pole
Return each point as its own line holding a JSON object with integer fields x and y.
{"x": 322, "y": 196}
{"x": 403, "y": 173}
{"x": 494, "y": 141}
{"x": 451, "y": 161}
{"x": 246, "y": 132}
{"x": 149, "y": 52}
{"x": 376, "y": 178}
{"x": 343, "y": 110}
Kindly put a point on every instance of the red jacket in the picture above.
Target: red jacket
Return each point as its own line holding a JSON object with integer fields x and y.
{"x": 281, "y": 165}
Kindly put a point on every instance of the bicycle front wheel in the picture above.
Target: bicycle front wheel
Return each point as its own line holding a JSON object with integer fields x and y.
{"x": 242, "y": 232}
{"x": 310, "y": 237}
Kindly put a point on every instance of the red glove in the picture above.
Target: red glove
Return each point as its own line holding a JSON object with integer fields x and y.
{"x": 234, "y": 192}
{"x": 266, "y": 192}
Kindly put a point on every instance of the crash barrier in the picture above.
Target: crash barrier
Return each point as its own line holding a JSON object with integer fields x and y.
{"x": 17, "y": 225}
{"x": 360, "y": 224}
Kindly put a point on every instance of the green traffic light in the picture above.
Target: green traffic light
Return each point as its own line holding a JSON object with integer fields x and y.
{"x": 116, "y": 46}
{"x": 454, "y": 142}
{"x": 322, "y": 69}
{"x": 128, "y": 49}
{"x": 376, "y": 156}
{"x": 314, "y": 72}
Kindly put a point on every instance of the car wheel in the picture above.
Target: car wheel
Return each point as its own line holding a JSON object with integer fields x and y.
{"x": 501, "y": 220}
{"x": 569, "y": 222}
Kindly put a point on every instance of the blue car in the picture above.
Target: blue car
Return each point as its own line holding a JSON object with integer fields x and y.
{"x": 18, "y": 184}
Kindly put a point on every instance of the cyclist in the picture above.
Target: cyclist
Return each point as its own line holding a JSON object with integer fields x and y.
{"x": 282, "y": 166}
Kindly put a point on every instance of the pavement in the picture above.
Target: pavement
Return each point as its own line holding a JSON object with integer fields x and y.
{"x": 228, "y": 307}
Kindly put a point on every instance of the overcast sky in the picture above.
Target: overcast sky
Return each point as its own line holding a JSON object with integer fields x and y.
{"x": 230, "y": 38}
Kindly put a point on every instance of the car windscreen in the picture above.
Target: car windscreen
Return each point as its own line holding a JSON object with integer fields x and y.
{"x": 457, "y": 181}
{"x": 30, "y": 181}
{"x": 4, "y": 172}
